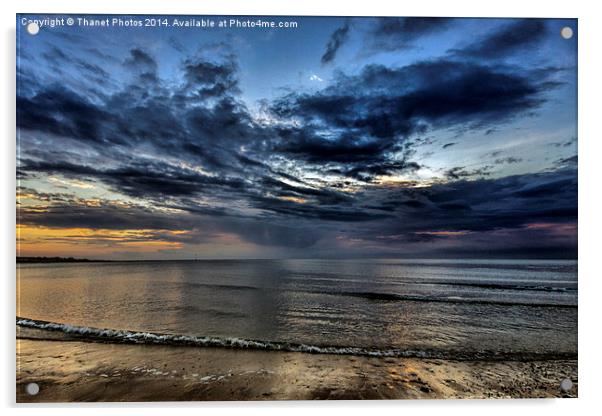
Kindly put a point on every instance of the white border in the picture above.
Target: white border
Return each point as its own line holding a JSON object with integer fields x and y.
{"x": 589, "y": 192}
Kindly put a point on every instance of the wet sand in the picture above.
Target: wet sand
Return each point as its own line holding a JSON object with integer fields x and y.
{"x": 80, "y": 371}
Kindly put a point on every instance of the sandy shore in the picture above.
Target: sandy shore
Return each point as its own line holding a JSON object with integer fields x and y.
{"x": 77, "y": 371}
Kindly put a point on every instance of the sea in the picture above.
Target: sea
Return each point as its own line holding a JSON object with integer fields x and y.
{"x": 447, "y": 309}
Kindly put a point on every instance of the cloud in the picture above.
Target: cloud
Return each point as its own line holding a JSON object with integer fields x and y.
{"x": 61, "y": 112}
{"x": 188, "y": 154}
{"x": 385, "y": 218}
{"x": 189, "y": 121}
{"x": 59, "y": 59}
{"x": 364, "y": 119}
{"x": 65, "y": 212}
{"x": 394, "y": 33}
{"x": 508, "y": 160}
{"x": 357, "y": 126}
{"x": 387, "y": 34}
{"x": 571, "y": 161}
{"x": 141, "y": 60}
{"x": 208, "y": 79}
{"x": 459, "y": 172}
{"x": 337, "y": 39}
{"x": 469, "y": 216}
{"x": 141, "y": 178}
{"x": 510, "y": 38}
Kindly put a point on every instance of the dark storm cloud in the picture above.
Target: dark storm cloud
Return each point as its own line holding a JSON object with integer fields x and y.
{"x": 306, "y": 143}
{"x": 227, "y": 122}
{"x": 209, "y": 79}
{"x": 366, "y": 172}
{"x": 514, "y": 37}
{"x": 61, "y": 112}
{"x": 313, "y": 212}
{"x": 180, "y": 122}
{"x": 425, "y": 214}
{"x": 336, "y": 40}
{"x": 323, "y": 196}
{"x": 141, "y": 60}
{"x": 481, "y": 205}
{"x": 71, "y": 214}
{"x": 142, "y": 178}
{"x": 144, "y": 68}
{"x": 363, "y": 119}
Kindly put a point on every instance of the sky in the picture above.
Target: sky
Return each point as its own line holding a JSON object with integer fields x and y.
{"x": 341, "y": 137}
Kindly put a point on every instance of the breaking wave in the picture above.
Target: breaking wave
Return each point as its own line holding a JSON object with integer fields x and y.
{"x": 67, "y": 332}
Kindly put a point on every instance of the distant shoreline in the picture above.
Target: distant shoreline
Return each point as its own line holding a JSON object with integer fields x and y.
{"x": 57, "y": 260}
{"x": 29, "y": 260}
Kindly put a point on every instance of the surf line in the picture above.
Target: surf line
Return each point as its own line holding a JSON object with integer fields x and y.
{"x": 90, "y": 334}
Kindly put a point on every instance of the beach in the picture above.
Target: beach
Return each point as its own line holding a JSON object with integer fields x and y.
{"x": 73, "y": 371}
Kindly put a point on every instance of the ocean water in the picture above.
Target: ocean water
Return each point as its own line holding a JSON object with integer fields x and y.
{"x": 509, "y": 309}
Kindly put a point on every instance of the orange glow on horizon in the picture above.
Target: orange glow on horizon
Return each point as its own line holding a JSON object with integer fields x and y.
{"x": 45, "y": 241}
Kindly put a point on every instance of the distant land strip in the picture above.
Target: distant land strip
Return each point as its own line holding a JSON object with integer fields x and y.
{"x": 55, "y": 260}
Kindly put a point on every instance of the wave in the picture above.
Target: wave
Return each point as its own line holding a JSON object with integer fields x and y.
{"x": 382, "y": 296}
{"x": 502, "y": 286}
{"x": 495, "y": 286}
{"x": 90, "y": 334}
{"x": 391, "y": 297}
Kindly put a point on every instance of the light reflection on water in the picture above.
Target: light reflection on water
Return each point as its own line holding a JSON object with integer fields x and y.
{"x": 463, "y": 304}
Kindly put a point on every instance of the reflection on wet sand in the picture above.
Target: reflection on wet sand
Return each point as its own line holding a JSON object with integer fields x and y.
{"x": 78, "y": 371}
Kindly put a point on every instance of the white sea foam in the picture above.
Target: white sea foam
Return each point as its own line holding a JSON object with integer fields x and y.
{"x": 136, "y": 337}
